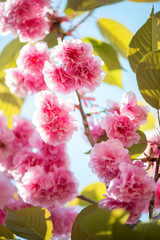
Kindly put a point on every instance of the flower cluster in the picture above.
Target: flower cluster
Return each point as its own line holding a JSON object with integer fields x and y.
{"x": 27, "y": 78}
{"x": 26, "y": 18}
{"x": 73, "y": 66}
{"x": 41, "y": 171}
{"x": 128, "y": 185}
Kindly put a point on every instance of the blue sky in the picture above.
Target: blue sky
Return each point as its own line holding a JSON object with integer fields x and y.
{"x": 132, "y": 15}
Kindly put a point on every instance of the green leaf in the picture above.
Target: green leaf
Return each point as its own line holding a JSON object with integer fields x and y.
{"x": 106, "y": 52}
{"x": 85, "y": 5}
{"x": 109, "y": 56}
{"x": 116, "y": 33}
{"x": 95, "y": 223}
{"x": 138, "y": 149}
{"x": 9, "y": 55}
{"x": 148, "y": 78}
{"x": 93, "y": 191}
{"x": 147, "y": 1}
{"x": 5, "y": 233}
{"x": 9, "y": 103}
{"x": 113, "y": 77}
{"x": 146, "y": 40}
{"x": 33, "y": 223}
{"x": 51, "y": 39}
{"x": 151, "y": 120}
{"x": 148, "y": 230}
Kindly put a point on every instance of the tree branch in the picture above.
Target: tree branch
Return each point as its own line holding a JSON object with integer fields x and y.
{"x": 84, "y": 198}
{"x": 78, "y": 24}
{"x": 156, "y": 177}
{"x": 85, "y": 123}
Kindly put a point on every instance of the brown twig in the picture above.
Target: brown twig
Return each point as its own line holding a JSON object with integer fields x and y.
{"x": 84, "y": 198}
{"x": 78, "y": 24}
{"x": 156, "y": 177}
{"x": 85, "y": 123}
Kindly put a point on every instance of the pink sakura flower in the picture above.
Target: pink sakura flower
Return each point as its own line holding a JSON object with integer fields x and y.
{"x": 132, "y": 183}
{"x": 96, "y": 131}
{"x": 26, "y": 18}
{"x": 23, "y": 130}
{"x": 3, "y": 215}
{"x": 56, "y": 156}
{"x": 61, "y": 216}
{"x": 23, "y": 161}
{"x": 135, "y": 207}
{"x": 71, "y": 51}
{"x": 78, "y": 67}
{"x": 120, "y": 127}
{"x": 33, "y": 57}
{"x": 22, "y": 83}
{"x": 106, "y": 158}
{"x": 6, "y": 146}
{"x": 7, "y": 190}
{"x": 136, "y": 113}
{"x": 113, "y": 107}
{"x": 52, "y": 118}
{"x": 47, "y": 189}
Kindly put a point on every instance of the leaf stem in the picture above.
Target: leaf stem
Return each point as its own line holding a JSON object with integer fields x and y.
{"x": 85, "y": 123}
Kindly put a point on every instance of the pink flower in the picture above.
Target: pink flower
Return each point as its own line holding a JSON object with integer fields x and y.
{"x": 23, "y": 83}
{"x": 66, "y": 185}
{"x": 33, "y": 57}
{"x": 120, "y": 127}
{"x": 23, "y": 130}
{"x": 26, "y": 18}
{"x": 56, "y": 156}
{"x": 78, "y": 67}
{"x": 113, "y": 107}
{"x": 7, "y": 190}
{"x": 23, "y": 161}
{"x": 136, "y": 113}
{"x": 74, "y": 51}
{"x": 61, "y": 216}
{"x": 132, "y": 183}
{"x": 106, "y": 157}
{"x": 134, "y": 207}
{"x": 96, "y": 131}
{"x": 52, "y": 118}
{"x": 6, "y": 146}
{"x": 47, "y": 189}
{"x": 3, "y": 215}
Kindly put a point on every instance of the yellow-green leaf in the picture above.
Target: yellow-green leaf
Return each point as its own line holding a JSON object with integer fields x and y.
{"x": 95, "y": 223}
{"x": 148, "y": 78}
{"x": 34, "y": 223}
{"x": 148, "y": 230}
{"x": 9, "y": 103}
{"x": 85, "y": 5}
{"x": 116, "y": 33}
{"x": 93, "y": 191}
{"x": 111, "y": 66}
{"x": 9, "y": 55}
{"x": 144, "y": 41}
{"x": 113, "y": 77}
{"x": 51, "y": 39}
{"x": 147, "y": 1}
{"x": 151, "y": 121}
{"x": 5, "y": 233}
{"x": 106, "y": 52}
{"x": 137, "y": 149}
